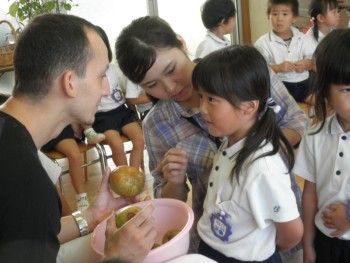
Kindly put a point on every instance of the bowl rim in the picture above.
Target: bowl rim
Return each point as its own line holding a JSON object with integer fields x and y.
{"x": 187, "y": 226}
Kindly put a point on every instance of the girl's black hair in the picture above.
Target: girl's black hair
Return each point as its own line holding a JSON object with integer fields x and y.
{"x": 238, "y": 74}
{"x": 137, "y": 44}
{"x": 320, "y": 7}
{"x": 332, "y": 57}
{"x": 104, "y": 37}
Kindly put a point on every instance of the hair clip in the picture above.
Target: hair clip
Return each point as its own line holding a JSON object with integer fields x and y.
{"x": 312, "y": 19}
{"x": 272, "y": 105}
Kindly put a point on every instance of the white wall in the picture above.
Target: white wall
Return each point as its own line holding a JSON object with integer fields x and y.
{"x": 259, "y": 24}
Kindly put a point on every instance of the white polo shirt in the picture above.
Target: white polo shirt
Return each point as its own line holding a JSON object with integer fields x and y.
{"x": 52, "y": 169}
{"x": 249, "y": 208}
{"x": 211, "y": 43}
{"x": 116, "y": 98}
{"x": 134, "y": 91}
{"x": 276, "y": 51}
{"x": 310, "y": 39}
{"x": 324, "y": 159}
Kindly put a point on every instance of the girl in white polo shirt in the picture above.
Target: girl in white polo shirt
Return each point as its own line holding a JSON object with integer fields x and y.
{"x": 250, "y": 211}
{"x": 323, "y": 156}
{"x": 324, "y": 17}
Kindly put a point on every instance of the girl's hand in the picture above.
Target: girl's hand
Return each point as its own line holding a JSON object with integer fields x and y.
{"x": 134, "y": 239}
{"x": 336, "y": 217}
{"x": 174, "y": 166}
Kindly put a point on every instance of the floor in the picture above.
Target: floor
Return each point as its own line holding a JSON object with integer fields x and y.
{"x": 95, "y": 175}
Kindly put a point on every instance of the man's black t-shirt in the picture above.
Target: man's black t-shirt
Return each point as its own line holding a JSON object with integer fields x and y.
{"x": 30, "y": 209}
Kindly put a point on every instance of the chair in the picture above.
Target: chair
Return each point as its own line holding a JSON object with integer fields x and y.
{"x": 84, "y": 148}
{"x": 127, "y": 151}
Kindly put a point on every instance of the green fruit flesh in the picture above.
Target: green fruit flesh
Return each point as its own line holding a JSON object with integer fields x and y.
{"x": 125, "y": 215}
{"x": 170, "y": 234}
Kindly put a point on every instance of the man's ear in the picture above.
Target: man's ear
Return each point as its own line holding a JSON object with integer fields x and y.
{"x": 249, "y": 107}
{"x": 69, "y": 83}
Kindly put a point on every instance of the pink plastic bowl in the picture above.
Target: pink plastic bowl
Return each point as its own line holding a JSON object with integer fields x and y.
{"x": 168, "y": 214}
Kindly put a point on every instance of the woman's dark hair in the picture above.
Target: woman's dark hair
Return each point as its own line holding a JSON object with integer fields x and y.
{"x": 214, "y": 11}
{"x": 238, "y": 74}
{"x": 104, "y": 37}
{"x": 332, "y": 57}
{"x": 293, "y": 3}
{"x": 320, "y": 7}
{"x": 48, "y": 46}
{"x": 136, "y": 45}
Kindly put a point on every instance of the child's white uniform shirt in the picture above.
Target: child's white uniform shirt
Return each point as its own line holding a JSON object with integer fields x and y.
{"x": 324, "y": 159}
{"x": 262, "y": 196}
{"x": 310, "y": 39}
{"x": 276, "y": 51}
{"x": 211, "y": 43}
{"x": 134, "y": 91}
{"x": 116, "y": 98}
{"x": 52, "y": 169}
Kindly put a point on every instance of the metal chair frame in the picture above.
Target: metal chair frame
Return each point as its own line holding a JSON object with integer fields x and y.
{"x": 83, "y": 147}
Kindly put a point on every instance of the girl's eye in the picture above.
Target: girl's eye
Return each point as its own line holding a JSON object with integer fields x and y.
{"x": 152, "y": 85}
{"x": 171, "y": 70}
{"x": 211, "y": 99}
{"x": 345, "y": 89}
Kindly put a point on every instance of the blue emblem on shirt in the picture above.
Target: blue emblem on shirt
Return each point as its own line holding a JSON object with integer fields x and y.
{"x": 219, "y": 226}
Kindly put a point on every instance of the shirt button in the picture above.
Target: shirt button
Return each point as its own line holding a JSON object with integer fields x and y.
{"x": 343, "y": 137}
{"x": 216, "y": 168}
{"x": 211, "y": 184}
{"x": 338, "y": 172}
{"x": 224, "y": 153}
{"x": 341, "y": 154}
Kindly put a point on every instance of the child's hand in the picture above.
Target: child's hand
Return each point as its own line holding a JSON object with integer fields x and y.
{"x": 286, "y": 66}
{"x": 303, "y": 65}
{"x": 174, "y": 166}
{"x": 336, "y": 217}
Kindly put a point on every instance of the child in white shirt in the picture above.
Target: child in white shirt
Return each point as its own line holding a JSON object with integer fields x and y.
{"x": 218, "y": 17}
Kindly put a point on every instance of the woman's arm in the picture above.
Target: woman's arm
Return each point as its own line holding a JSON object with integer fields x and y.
{"x": 291, "y": 119}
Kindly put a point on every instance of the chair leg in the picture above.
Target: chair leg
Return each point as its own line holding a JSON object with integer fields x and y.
{"x": 102, "y": 156}
{"x": 85, "y": 167}
{"x": 60, "y": 180}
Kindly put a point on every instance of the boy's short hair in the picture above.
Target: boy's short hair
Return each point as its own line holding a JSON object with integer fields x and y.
{"x": 293, "y": 3}
{"x": 214, "y": 11}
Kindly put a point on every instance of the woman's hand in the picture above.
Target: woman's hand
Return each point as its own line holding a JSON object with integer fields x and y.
{"x": 174, "y": 166}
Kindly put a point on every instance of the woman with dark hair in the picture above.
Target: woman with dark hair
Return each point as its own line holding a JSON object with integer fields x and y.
{"x": 177, "y": 140}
